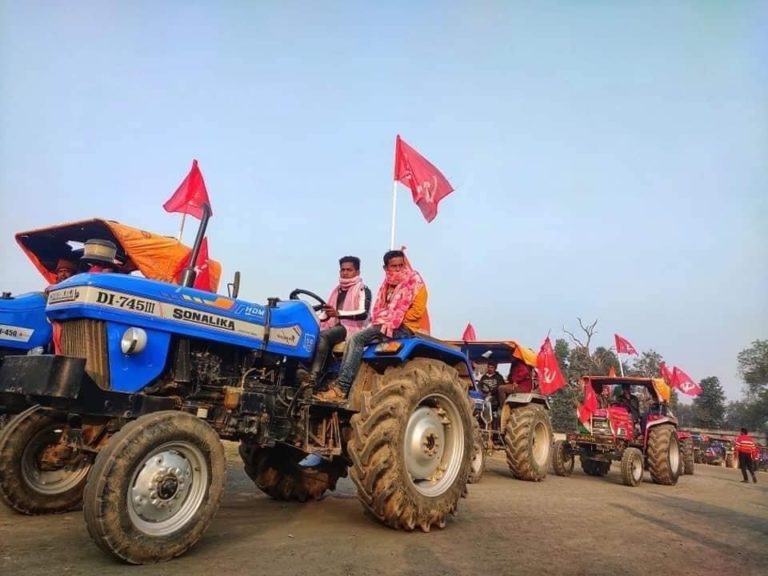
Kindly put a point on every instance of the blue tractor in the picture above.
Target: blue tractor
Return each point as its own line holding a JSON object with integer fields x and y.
{"x": 24, "y": 327}
{"x": 153, "y": 375}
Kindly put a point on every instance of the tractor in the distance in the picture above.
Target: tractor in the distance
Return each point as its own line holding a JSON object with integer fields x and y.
{"x": 519, "y": 424}
{"x": 621, "y": 429}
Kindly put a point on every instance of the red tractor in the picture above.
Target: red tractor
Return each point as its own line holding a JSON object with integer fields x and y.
{"x": 632, "y": 425}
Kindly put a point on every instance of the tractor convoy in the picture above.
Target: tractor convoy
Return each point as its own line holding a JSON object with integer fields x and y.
{"x": 121, "y": 388}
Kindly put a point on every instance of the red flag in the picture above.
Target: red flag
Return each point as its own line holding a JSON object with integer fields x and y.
{"x": 428, "y": 185}
{"x": 203, "y": 277}
{"x": 469, "y": 333}
{"x": 190, "y": 195}
{"x": 588, "y": 407}
{"x": 684, "y": 383}
{"x": 550, "y": 377}
{"x": 665, "y": 373}
{"x": 623, "y": 346}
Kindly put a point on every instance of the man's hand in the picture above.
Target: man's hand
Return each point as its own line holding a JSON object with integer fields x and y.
{"x": 331, "y": 312}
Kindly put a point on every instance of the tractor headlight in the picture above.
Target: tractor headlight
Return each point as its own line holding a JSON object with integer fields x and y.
{"x": 392, "y": 347}
{"x": 134, "y": 340}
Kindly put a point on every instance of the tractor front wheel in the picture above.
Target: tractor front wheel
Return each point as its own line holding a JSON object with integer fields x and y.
{"x": 632, "y": 467}
{"x": 155, "y": 488}
{"x": 39, "y": 472}
{"x": 688, "y": 465}
{"x": 478, "y": 455}
{"x": 562, "y": 458}
{"x": 411, "y": 445}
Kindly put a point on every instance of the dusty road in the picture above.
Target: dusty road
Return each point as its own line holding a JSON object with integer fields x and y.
{"x": 708, "y": 524}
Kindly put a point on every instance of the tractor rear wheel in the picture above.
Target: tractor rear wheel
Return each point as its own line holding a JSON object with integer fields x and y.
{"x": 632, "y": 467}
{"x": 528, "y": 441}
{"x": 562, "y": 458}
{"x": 663, "y": 455}
{"x": 155, "y": 488}
{"x": 40, "y": 474}
{"x": 478, "y": 455}
{"x": 277, "y": 473}
{"x": 411, "y": 445}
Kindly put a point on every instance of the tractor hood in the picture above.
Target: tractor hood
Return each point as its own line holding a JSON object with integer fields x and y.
{"x": 23, "y": 324}
{"x": 289, "y": 327}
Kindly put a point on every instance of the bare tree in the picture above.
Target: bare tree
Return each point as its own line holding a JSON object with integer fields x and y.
{"x": 589, "y": 331}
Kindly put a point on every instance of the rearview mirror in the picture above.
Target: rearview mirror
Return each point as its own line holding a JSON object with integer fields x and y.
{"x": 233, "y": 288}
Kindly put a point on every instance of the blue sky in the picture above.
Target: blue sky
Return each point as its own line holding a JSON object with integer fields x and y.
{"x": 609, "y": 158}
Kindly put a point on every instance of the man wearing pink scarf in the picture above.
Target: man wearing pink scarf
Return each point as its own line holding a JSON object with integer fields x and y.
{"x": 398, "y": 312}
{"x": 346, "y": 314}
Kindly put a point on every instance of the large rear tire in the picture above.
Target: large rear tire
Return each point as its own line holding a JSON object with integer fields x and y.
{"x": 663, "y": 455}
{"x": 276, "y": 472}
{"x": 478, "y": 455}
{"x": 632, "y": 467}
{"x": 562, "y": 458}
{"x": 528, "y": 442}
{"x": 411, "y": 445}
{"x": 39, "y": 475}
{"x": 155, "y": 488}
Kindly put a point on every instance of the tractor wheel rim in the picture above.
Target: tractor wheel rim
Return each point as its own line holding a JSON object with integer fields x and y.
{"x": 540, "y": 443}
{"x": 54, "y": 481}
{"x": 434, "y": 445}
{"x": 168, "y": 488}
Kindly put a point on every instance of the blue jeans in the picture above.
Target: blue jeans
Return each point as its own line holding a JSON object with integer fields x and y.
{"x": 353, "y": 353}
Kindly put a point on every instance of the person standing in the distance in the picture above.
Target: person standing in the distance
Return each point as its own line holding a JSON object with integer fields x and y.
{"x": 745, "y": 448}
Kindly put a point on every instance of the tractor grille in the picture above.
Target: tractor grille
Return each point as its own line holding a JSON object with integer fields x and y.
{"x": 601, "y": 426}
{"x": 88, "y": 339}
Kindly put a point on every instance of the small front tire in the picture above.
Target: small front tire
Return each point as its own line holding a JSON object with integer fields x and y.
{"x": 155, "y": 488}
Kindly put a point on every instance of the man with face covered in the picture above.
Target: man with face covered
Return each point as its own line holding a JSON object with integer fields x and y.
{"x": 398, "y": 311}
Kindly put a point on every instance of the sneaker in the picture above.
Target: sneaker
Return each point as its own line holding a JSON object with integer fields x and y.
{"x": 332, "y": 394}
{"x": 745, "y": 481}
{"x": 311, "y": 461}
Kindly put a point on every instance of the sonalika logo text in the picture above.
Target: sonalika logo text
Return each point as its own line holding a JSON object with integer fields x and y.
{"x": 203, "y": 318}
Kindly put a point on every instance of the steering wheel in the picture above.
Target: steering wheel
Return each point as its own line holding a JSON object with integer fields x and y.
{"x": 300, "y": 291}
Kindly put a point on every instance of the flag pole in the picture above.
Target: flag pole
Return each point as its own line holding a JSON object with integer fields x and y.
{"x": 621, "y": 366}
{"x": 181, "y": 230}
{"x": 394, "y": 214}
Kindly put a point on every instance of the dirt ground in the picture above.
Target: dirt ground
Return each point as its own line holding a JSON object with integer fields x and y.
{"x": 709, "y": 523}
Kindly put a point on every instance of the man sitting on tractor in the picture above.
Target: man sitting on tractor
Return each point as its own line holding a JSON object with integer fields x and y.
{"x": 400, "y": 306}
{"x": 100, "y": 256}
{"x": 519, "y": 381}
{"x": 347, "y": 313}
{"x": 631, "y": 403}
{"x": 490, "y": 381}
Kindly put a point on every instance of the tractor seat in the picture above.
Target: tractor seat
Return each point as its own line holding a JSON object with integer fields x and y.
{"x": 338, "y": 350}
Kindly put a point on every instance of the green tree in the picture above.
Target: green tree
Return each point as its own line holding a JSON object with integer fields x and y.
{"x": 753, "y": 365}
{"x": 563, "y": 402}
{"x": 603, "y": 360}
{"x": 647, "y": 364}
{"x": 752, "y": 411}
{"x": 709, "y": 406}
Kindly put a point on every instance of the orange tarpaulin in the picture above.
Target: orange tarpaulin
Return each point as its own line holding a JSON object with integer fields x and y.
{"x": 157, "y": 257}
